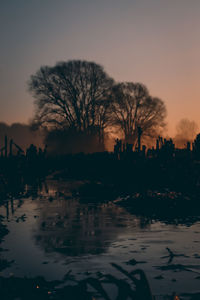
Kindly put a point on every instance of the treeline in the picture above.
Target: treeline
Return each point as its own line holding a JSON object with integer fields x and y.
{"x": 80, "y": 108}
{"x": 79, "y": 105}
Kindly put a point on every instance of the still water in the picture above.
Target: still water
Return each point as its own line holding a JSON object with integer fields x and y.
{"x": 52, "y": 230}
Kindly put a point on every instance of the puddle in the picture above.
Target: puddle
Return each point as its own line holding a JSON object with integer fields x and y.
{"x": 52, "y": 232}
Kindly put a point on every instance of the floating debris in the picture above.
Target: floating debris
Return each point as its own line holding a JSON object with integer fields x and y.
{"x": 21, "y": 218}
{"x": 134, "y": 262}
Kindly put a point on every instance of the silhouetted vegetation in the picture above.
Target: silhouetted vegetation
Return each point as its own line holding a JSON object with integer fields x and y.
{"x": 162, "y": 183}
{"x": 186, "y": 132}
{"x": 21, "y": 134}
{"x": 61, "y": 142}
{"x": 132, "y": 108}
{"x": 78, "y": 105}
{"x": 72, "y": 95}
{"x": 154, "y": 185}
{"x": 128, "y": 170}
{"x": 134, "y": 286}
{"x": 79, "y": 99}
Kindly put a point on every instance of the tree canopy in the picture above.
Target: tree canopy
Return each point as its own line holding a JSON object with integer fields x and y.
{"x": 186, "y": 132}
{"x": 72, "y": 95}
{"x": 133, "y": 108}
{"x": 78, "y": 96}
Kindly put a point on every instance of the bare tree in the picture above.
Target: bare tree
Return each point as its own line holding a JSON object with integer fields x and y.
{"x": 72, "y": 95}
{"x": 186, "y": 132}
{"x": 134, "y": 110}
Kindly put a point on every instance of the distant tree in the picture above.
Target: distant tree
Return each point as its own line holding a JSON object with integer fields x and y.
{"x": 72, "y": 95}
{"x": 186, "y": 132}
{"x": 133, "y": 108}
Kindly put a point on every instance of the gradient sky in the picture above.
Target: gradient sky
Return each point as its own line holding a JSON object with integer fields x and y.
{"x": 156, "y": 42}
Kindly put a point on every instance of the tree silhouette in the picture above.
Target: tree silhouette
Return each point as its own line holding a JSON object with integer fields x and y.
{"x": 186, "y": 132}
{"x": 133, "y": 108}
{"x": 72, "y": 95}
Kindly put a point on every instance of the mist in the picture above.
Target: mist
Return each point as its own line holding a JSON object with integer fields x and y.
{"x": 186, "y": 131}
{"x": 21, "y": 134}
{"x": 66, "y": 141}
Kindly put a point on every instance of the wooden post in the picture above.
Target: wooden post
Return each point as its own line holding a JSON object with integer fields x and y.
{"x": 157, "y": 144}
{"x": 188, "y": 146}
{"x": 11, "y": 145}
{"x": 6, "y": 146}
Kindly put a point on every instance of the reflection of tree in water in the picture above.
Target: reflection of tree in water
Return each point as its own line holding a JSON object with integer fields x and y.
{"x": 71, "y": 228}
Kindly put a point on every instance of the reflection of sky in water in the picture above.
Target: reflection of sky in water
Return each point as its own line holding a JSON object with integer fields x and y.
{"x": 61, "y": 233}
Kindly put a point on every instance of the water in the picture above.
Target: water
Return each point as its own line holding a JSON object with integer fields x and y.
{"x": 52, "y": 231}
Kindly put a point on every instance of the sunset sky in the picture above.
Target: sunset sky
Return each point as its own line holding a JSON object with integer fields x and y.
{"x": 156, "y": 42}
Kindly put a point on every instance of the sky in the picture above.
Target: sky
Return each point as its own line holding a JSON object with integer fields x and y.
{"x": 155, "y": 42}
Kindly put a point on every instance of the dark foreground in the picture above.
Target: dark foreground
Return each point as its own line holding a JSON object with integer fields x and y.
{"x": 71, "y": 239}
{"x": 94, "y": 227}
